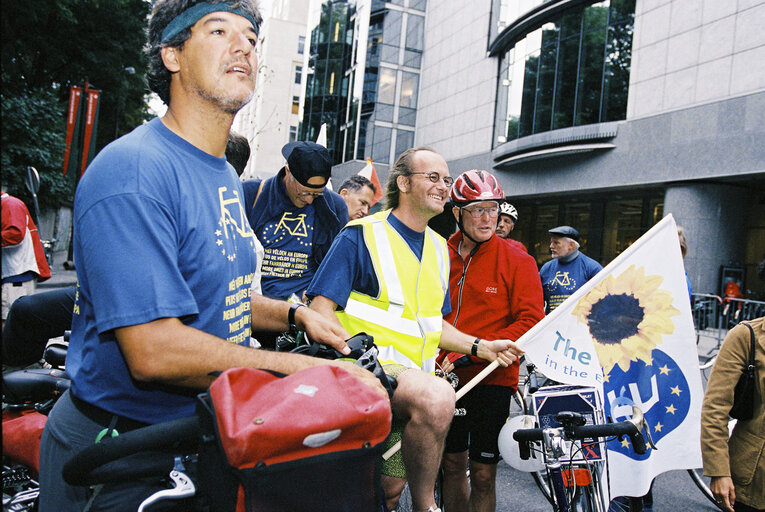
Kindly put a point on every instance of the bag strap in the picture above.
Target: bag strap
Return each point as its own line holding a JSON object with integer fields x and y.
{"x": 750, "y": 368}
{"x": 257, "y": 194}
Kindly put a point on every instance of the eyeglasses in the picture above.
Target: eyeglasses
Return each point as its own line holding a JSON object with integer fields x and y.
{"x": 478, "y": 211}
{"x": 312, "y": 194}
{"x": 304, "y": 194}
{"x": 434, "y": 177}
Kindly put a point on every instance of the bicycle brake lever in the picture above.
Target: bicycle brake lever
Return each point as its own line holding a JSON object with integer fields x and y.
{"x": 647, "y": 430}
{"x": 183, "y": 487}
{"x": 638, "y": 419}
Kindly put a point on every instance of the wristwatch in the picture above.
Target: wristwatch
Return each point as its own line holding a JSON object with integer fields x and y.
{"x": 291, "y": 316}
{"x": 474, "y": 349}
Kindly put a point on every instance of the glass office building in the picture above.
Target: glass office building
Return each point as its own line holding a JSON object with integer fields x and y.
{"x": 363, "y": 77}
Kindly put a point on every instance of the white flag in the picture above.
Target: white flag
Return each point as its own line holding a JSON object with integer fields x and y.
{"x": 321, "y": 140}
{"x": 633, "y": 319}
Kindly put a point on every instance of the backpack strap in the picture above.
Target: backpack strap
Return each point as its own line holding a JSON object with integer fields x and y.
{"x": 260, "y": 188}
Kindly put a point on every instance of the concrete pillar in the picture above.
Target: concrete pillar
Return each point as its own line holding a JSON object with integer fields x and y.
{"x": 714, "y": 220}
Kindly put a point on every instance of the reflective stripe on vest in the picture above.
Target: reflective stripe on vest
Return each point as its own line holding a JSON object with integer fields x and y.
{"x": 405, "y": 318}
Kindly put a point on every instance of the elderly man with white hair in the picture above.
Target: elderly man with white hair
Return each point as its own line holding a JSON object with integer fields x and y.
{"x": 568, "y": 270}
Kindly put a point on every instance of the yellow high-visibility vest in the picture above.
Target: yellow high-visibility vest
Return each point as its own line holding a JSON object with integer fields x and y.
{"x": 405, "y": 317}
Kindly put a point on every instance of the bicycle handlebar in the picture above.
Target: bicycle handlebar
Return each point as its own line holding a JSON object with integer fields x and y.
{"x": 173, "y": 437}
{"x": 631, "y": 427}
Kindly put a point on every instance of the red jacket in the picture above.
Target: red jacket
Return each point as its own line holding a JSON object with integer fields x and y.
{"x": 500, "y": 297}
{"x": 15, "y": 223}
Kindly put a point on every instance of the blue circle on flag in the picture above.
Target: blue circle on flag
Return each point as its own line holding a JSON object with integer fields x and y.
{"x": 660, "y": 390}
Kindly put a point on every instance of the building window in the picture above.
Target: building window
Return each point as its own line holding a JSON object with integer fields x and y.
{"x": 572, "y": 70}
{"x": 408, "y": 96}
{"x": 293, "y": 133}
{"x": 381, "y": 144}
{"x": 301, "y": 44}
{"x": 295, "y": 104}
{"x": 386, "y": 91}
{"x": 404, "y": 141}
{"x": 298, "y": 73}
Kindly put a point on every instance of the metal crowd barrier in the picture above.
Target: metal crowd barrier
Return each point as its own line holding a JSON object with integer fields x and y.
{"x": 714, "y": 316}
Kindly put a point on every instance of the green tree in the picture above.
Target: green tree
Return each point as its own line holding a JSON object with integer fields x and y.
{"x": 48, "y": 45}
{"x": 33, "y": 134}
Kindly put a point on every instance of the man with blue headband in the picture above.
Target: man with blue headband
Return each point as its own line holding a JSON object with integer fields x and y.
{"x": 165, "y": 257}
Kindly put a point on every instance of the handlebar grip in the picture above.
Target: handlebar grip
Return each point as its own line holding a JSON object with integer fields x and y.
{"x": 638, "y": 443}
{"x": 528, "y": 434}
{"x": 533, "y": 383}
{"x": 171, "y": 435}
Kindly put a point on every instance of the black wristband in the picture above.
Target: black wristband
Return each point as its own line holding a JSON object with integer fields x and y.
{"x": 474, "y": 350}
{"x": 291, "y": 315}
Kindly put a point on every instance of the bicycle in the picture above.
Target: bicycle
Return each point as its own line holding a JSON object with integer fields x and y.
{"x": 579, "y": 488}
{"x": 28, "y": 396}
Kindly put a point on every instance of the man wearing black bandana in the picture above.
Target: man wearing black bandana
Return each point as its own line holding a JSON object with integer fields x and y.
{"x": 165, "y": 257}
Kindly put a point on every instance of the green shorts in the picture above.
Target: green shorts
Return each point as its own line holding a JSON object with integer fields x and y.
{"x": 395, "y": 465}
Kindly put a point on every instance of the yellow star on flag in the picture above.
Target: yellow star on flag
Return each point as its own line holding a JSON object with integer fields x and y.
{"x": 671, "y": 409}
{"x": 676, "y": 390}
{"x": 664, "y": 370}
{"x": 658, "y": 427}
{"x": 625, "y": 443}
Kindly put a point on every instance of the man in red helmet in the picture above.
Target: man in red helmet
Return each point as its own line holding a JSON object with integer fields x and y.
{"x": 495, "y": 294}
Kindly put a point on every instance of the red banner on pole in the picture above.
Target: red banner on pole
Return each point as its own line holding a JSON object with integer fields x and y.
{"x": 91, "y": 117}
{"x": 72, "y": 123}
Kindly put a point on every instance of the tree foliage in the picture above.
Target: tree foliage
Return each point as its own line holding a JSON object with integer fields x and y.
{"x": 49, "y": 45}
{"x": 33, "y": 134}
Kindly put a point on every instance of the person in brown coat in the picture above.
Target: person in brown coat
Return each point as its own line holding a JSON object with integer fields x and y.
{"x": 736, "y": 466}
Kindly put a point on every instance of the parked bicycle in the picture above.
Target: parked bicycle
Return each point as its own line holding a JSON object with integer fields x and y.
{"x": 579, "y": 488}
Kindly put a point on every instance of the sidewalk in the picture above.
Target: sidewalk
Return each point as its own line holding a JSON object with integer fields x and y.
{"x": 60, "y": 277}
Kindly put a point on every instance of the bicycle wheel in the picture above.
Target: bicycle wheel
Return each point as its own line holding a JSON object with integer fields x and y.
{"x": 583, "y": 500}
{"x": 517, "y": 405}
{"x": 540, "y": 478}
{"x": 702, "y": 482}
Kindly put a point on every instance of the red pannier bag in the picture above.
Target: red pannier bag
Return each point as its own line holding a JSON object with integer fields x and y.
{"x": 22, "y": 431}
{"x": 310, "y": 441}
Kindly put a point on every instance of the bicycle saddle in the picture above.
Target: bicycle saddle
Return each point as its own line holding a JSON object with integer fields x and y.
{"x": 35, "y": 385}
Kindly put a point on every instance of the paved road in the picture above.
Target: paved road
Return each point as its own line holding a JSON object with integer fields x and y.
{"x": 673, "y": 491}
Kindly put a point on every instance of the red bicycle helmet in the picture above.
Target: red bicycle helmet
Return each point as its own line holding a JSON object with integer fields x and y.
{"x": 476, "y": 185}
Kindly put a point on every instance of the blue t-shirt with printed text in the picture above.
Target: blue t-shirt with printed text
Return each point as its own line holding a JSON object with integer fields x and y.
{"x": 288, "y": 240}
{"x": 560, "y": 280}
{"x": 159, "y": 232}
{"x": 348, "y": 265}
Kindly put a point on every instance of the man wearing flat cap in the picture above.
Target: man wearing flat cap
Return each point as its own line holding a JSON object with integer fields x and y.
{"x": 568, "y": 270}
{"x": 295, "y": 218}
